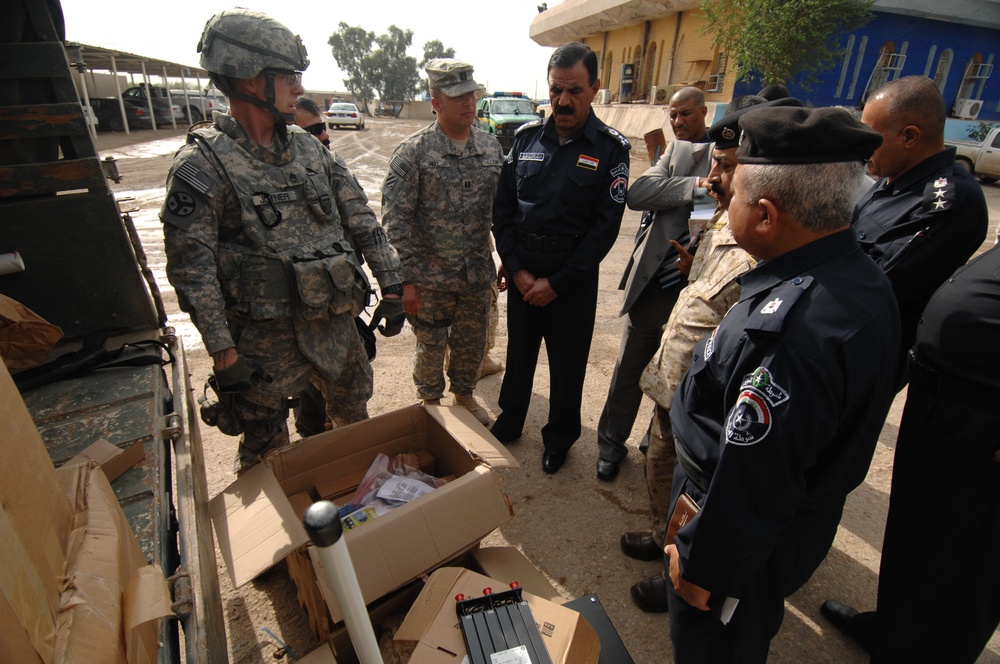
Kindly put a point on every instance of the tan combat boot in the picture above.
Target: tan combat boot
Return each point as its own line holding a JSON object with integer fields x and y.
{"x": 468, "y": 402}
{"x": 489, "y": 367}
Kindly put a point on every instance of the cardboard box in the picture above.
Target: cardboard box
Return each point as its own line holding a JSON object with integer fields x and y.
{"x": 433, "y": 623}
{"x": 74, "y": 585}
{"x": 114, "y": 460}
{"x": 256, "y": 525}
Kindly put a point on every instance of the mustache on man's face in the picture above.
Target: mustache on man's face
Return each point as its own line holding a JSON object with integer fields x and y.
{"x": 563, "y": 110}
{"x": 717, "y": 188}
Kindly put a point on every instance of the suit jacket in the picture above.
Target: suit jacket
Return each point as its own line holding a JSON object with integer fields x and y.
{"x": 668, "y": 190}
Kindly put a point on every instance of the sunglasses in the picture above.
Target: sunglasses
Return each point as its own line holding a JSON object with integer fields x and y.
{"x": 316, "y": 129}
{"x": 291, "y": 78}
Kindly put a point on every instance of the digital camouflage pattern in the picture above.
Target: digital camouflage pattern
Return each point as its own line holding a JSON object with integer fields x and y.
{"x": 455, "y": 321}
{"x": 260, "y": 249}
{"x": 437, "y": 208}
{"x": 241, "y": 43}
{"x": 711, "y": 291}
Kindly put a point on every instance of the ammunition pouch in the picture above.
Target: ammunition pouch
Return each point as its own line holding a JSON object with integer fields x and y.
{"x": 329, "y": 285}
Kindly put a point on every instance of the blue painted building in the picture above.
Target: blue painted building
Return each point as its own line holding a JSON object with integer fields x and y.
{"x": 959, "y": 57}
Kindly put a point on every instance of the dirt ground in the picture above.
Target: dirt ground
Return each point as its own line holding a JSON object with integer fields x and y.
{"x": 567, "y": 524}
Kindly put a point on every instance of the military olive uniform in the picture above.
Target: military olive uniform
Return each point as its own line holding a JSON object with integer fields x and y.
{"x": 437, "y": 208}
{"x": 262, "y": 248}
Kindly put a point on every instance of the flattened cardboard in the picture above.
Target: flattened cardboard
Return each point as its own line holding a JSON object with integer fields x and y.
{"x": 398, "y": 546}
{"x": 103, "y": 560}
{"x": 35, "y": 519}
{"x": 433, "y": 623}
{"x": 114, "y": 460}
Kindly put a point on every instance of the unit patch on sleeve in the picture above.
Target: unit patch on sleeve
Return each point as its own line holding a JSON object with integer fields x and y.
{"x": 619, "y": 186}
{"x": 750, "y": 419}
{"x": 181, "y": 204}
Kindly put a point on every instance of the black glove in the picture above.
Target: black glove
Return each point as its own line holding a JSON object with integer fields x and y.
{"x": 391, "y": 309}
{"x": 241, "y": 376}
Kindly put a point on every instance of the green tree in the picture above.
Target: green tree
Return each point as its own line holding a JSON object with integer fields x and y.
{"x": 783, "y": 40}
{"x": 394, "y": 73}
{"x": 435, "y": 49}
{"x": 351, "y": 48}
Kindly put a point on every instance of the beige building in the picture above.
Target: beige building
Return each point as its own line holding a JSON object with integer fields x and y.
{"x": 663, "y": 41}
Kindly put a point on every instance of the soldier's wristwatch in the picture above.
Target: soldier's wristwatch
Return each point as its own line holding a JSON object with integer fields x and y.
{"x": 395, "y": 289}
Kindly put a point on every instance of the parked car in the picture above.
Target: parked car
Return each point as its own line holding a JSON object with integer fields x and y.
{"x": 109, "y": 115}
{"x": 981, "y": 158}
{"x": 344, "y": 114}
{"x": 176, "y": 103}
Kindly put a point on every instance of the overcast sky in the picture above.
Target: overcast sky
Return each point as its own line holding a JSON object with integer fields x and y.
{"x": 492, "y": 36}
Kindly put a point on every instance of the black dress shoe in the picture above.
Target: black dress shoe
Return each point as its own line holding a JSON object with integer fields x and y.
{"x": 552, "y": 461}
{"x": 859, "y": 626}
{"x": 641, "y": 546}
{"x": 650, "y": 594}
{"x": 607, "y": 470}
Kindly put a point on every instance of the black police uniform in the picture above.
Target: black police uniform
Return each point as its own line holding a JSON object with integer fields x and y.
{"x": 919, "y": 229}
{"x": 777, "y": 420}
{"x": 557, "y": 214}
{"x": 940, "y": 576}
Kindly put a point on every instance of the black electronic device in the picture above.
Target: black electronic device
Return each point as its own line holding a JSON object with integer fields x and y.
{"x": 499, "y": 628}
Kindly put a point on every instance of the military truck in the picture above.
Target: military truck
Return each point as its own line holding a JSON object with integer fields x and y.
{"x": 981, "y": 158}
{"x": 503, "y": 113}
{"x": 119, "y": 372}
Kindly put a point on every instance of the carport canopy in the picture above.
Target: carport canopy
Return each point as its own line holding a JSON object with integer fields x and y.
{"x": 86, "y": 58}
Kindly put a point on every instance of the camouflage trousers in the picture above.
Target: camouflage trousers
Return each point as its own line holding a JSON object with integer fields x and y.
{"x": 660, "y": 458}
{"x": 491, "y": 331}
{"x": 456, "y": 322}
{"x": 328, "y": 352}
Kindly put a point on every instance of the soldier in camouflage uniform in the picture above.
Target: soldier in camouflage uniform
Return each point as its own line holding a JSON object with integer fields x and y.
{"x": 712, "y": 289}
{"x": 437, "y": 208}
{"x": 264, "y": 231}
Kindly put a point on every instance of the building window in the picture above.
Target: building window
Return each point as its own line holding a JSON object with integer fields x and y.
{"x": 857, "y": 67}
{"x": 889, "y": 62}
{"x": 982, "y": 81}
{"x": 943, "y": 67}
{"x": 902, "y": 53}
{"x": 976, "y": 72}
{"x": 654, "y": 65}
{"x": 849, "y": 51}
{"x": 930, "y": 61}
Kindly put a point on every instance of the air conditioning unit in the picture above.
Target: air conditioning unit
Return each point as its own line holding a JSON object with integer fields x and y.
{"x": 967, "y": 109}
{"x": 714, "y": 83}
{"x": 603, "y": 97}
{"x": 658, "y": 95}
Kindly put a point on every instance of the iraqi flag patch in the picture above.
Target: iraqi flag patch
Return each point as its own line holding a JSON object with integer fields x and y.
{"x": 590, "y": 163}
{"x": 750, "y": 419}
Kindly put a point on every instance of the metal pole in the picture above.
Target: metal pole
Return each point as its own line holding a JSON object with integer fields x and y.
{"x": 322, "y": 523}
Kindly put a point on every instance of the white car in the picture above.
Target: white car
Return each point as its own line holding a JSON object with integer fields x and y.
{"x": 344, "y": 114}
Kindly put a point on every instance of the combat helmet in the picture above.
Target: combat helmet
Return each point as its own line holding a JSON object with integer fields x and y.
{"x": 241, "y": 43}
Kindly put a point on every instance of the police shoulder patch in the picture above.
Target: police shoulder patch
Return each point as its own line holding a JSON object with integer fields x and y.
{"x": 617, "y": 135}
{"x": 751, "y": 418}
{"x": 769, "y": 315}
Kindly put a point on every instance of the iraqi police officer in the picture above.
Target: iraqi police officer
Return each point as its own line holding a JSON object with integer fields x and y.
{"x": 265, "y": 230}
{"x": 777, "y": 418}
{"x": 557, "y": 214}
{"x": 437, "y": 208}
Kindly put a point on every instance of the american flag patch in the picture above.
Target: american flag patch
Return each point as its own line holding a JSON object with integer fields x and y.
{"x": 587, "y": 162}
{"x": 195, "y": 177}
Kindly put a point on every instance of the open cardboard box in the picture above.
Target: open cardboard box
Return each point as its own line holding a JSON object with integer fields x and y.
{"x": 256, "y": 524}
{"x": 74, "y": 585}
{"x": 433, "y": 623}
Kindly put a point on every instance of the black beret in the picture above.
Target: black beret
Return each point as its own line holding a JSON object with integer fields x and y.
{"x": 726, "y": 132}
{"x": 805, "y": 136}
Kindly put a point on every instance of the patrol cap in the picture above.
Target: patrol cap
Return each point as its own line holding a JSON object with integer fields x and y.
{"x": 805, "y": 136}
{"x": 450, "y": 76}
{"x": 726, "y": 132}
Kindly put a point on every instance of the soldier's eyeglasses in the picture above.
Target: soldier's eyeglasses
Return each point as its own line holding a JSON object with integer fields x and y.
{"x": 291, "y": 78}
{"x": 316, "y": 129}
